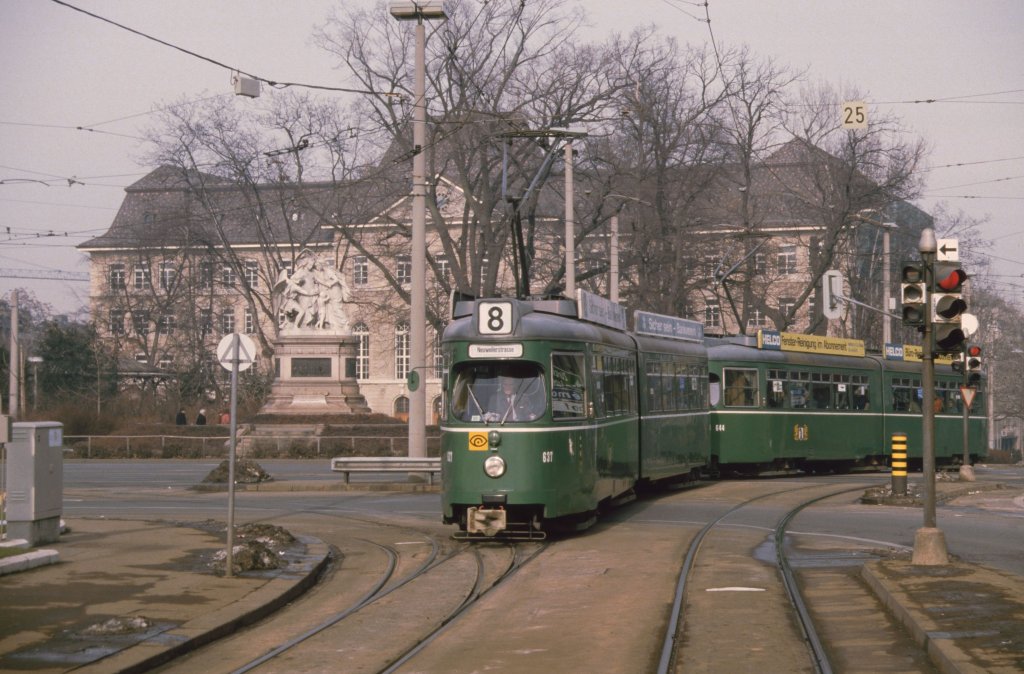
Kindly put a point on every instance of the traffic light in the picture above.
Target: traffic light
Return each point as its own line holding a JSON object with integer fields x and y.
{"x": 947, "y": 307}
{"x": 912, "y": 295}
{"x": 973, "y": 365}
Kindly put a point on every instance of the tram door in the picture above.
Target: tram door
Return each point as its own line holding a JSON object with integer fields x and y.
{"x": 569, "y": 406}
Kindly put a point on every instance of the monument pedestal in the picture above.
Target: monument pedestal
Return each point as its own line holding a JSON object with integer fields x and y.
{"x": 315, "y": 373}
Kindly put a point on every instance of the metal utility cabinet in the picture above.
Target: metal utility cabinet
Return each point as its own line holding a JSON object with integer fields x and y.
{"x": 35, "y": 481}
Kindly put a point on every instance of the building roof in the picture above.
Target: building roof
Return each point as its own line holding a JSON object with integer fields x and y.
{"x": 170, "y": 208}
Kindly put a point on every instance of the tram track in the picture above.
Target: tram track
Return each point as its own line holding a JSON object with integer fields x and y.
{"x": 669, "y": 660}
{"x": 412, "y": 584}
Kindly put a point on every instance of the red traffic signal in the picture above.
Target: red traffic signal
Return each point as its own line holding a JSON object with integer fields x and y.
{"x": 949, "y": 279}
{"x": 973, "y": 357}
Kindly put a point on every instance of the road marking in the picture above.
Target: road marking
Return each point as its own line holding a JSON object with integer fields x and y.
{"x": 735, "y": 589}
{"x": 1019, "y": 502}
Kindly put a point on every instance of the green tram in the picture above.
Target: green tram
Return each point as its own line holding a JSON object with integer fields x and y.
{"x": 544, "y": 422}
{"x": 774, "y": 409}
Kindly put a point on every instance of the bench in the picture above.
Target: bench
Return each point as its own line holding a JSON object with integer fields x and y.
{"x": 386, "y": 464}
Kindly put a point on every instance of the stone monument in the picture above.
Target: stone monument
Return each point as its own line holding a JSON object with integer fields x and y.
{"x": 315, "y": 350}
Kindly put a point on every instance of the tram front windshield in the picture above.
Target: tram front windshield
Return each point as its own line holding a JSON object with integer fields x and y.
{"x": 498, "y": 392}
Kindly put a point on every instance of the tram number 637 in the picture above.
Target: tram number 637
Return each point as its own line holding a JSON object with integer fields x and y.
{"x": 547, "y": 457}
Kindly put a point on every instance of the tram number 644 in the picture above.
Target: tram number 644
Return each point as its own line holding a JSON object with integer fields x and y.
{"x": 719, "y": 428}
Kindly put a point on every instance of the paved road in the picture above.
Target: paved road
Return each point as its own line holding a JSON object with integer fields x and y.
{"x": 985, "y": 528}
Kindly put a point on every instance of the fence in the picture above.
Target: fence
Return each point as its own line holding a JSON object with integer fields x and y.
{"x": 253, "y": 446}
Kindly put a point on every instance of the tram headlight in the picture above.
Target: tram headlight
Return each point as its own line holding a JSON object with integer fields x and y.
{"x": 494, "y": 466}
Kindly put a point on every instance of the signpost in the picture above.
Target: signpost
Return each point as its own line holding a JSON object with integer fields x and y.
{"x": 236, "y": 353}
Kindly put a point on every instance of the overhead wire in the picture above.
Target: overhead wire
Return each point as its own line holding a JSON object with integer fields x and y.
{"x": 269, "y": 82}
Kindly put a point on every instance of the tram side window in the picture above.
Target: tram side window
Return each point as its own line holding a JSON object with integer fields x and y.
{"x": 906, "y": 395}
{"x": 740, "y": 387}
{"x": 799, "y": 388}
{"x": 659, "y": 385}
{"x": 618, "y": 382}
{"x": 714, "y": 389}
{"x": 568, "y": 391}
{"x": 776, "y": 389}
{"x": 842, "y": 396}
{"x": 861, "y": 401}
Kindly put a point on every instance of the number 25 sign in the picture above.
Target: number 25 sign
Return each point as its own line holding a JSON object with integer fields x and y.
{"x": 855, "y": 115}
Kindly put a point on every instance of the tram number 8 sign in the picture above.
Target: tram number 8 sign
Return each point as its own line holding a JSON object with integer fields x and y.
{"x": 494, "y": 318}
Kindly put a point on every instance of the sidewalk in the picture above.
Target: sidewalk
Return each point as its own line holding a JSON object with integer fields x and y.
{"x": 127, "y": 595}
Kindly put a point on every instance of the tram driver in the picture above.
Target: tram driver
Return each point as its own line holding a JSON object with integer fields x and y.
{"x": 515, "y": 400}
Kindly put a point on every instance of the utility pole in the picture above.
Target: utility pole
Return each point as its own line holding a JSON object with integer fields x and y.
{"x": 14, "y": 361}
{"x": 418, "y": 11}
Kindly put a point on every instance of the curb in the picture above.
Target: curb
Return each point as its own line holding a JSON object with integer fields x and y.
{"x": 161, "y": 648}
{"x": 948, "y": 656}
{"x": 29, "y": 560}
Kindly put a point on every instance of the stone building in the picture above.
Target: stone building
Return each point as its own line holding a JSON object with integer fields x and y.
{"x": 190, "y": 257}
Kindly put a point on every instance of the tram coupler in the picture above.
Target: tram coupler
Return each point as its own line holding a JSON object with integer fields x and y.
{"x": 486, "y": 521}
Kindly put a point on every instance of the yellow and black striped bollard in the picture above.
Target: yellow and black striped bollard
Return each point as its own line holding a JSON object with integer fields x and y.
{"x": 899, "y": 464}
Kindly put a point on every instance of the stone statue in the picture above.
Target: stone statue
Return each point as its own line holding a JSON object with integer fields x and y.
{"x": 313, "y": 297}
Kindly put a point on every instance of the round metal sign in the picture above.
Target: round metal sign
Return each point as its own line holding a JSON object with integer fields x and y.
{"x": 246, "y": 351}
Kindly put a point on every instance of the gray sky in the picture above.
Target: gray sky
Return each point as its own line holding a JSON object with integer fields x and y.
{"x": 63, "y": 69}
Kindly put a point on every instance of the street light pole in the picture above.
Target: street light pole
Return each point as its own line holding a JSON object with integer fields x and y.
{"x": 886, "y": 283}
{"x": 929, "y": 541}
{"x": 418, "y": 11}
{"x": 613, "y": 280}
{"x": 570, "y": 226}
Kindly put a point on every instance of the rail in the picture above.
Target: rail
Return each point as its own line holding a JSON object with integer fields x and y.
{"x": 386, "y": 464}
{"x": 136, "y": 446}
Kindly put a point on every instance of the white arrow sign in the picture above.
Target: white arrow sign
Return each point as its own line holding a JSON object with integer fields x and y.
{"x": 246, "y": 351}
{"x": 948, "y": 251}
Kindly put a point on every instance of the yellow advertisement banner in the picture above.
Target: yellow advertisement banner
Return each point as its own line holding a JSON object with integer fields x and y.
{"x": 832, "y": 346}
{"x": 912, "y": 354}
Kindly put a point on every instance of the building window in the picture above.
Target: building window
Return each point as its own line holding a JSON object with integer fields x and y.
{"x": 437, "y": 357}
{"x": 786, "y": 259}
{"x": 117, "y": 321}
{"x": 712, "y": 266}
{"x": 141, "y": 358}
{"x": 360, "y": 270}
{"x": 713, "y": 314}
{"x": 205, "y": 322}
{"x": 166, "y": 362}
{"x": 363, "y": 353}
{"x": 143, "y": 277}
{"x": 167, "y": 324}
{"x": 252, "y": 273}
{"x": 403, "y": 270}
{"x": 787, "y": 306}
{"x": 444, "y": 269}
{"x": 140, "y": 322}
{"x": 250, "y": 322}
{"x": 116, "y": 276}
{"x": 758, "y": 319}
{"x": 402, "y": 407}
{"x": 228, "y": 276}
{"x": 760, "y": 264}
{"x": 227, "y": 322}
{"x": 168, "y": 275}
{"x": 206, "y": 275}
{"x": 401, "y": 350}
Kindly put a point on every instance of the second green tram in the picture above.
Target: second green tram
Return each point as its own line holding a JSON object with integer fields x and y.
{"x": 781, "y": 411}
